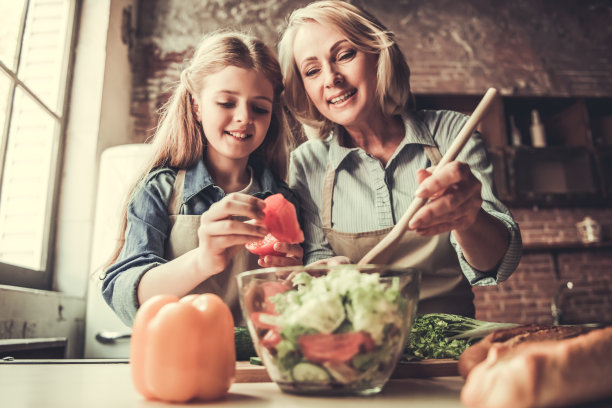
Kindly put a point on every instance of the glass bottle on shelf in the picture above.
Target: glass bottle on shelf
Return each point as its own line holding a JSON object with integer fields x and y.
{"x": 538, "y": 136}
{"x": 515, "y": 133}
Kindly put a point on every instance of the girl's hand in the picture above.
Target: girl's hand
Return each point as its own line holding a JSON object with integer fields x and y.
{"x": 293, "y": 256}
{"x": 222, "y": 232}
{"x": 455, "y": 200}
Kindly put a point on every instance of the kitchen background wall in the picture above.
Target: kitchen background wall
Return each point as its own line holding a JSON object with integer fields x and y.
{"x": 524, "y": 48}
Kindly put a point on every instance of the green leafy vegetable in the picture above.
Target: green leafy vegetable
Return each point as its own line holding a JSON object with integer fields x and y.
{"x": 442, "y": 335}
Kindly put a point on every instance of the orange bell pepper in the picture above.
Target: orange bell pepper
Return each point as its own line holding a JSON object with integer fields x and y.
{"x": 183, "y": 349}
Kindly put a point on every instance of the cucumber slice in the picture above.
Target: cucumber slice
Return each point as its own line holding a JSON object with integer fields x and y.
{"x": 306, "y": 372}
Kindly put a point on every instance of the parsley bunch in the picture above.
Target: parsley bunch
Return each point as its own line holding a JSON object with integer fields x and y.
{"x": 443, "y": 335}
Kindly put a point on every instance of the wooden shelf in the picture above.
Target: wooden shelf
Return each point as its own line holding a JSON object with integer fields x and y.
{"x": 572, "y": 170}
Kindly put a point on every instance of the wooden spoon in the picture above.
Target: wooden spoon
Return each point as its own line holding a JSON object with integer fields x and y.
{"x": 385, "y": 247}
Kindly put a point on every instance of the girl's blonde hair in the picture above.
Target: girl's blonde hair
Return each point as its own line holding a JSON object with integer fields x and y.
{"x": 179, "y": 139}
{"x": 364, "y": 32}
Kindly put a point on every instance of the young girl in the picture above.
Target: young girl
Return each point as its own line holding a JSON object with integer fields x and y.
{"x": 220, "y": 148}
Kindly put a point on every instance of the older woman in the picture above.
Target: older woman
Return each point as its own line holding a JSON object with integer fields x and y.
{"x": 346, "y": 77}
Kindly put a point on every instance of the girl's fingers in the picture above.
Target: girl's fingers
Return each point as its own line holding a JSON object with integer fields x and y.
{"x": 269, "y": 261}
{"x": 235, "y": 205}
{"x": 293, "y": 254}
{"x": 232, "y": 227}
{"x": 294, "y": 250}
{"x": 220, "y": 243}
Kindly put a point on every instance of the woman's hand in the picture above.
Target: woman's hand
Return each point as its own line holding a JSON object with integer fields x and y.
{"x": 334, "y": 260}
{"x": 223, "y": 232}
{"x": 293, "y": 254}
{"x": 455, "y": 200}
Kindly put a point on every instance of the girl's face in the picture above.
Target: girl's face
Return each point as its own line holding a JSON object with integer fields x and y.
{"x": 235, "y": 109}
{"x": 339, "y": 79}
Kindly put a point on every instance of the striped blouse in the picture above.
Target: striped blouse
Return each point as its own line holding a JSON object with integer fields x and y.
{"x": 369, "y": 196}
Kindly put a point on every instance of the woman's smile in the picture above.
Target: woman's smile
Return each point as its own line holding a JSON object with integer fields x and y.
{"x": 336, "y": 100}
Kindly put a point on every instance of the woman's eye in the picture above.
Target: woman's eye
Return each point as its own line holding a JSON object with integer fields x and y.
{"x": 227, "y": 105}
{"x": 311, "y": 72}
{"x": 346, "y": 55}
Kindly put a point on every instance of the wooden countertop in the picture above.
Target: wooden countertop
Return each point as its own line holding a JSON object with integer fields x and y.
{"x": 99, "y": 383}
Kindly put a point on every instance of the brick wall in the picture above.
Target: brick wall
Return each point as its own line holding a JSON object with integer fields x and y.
{"x": 523, "y": 47}
{"x": 527, "y": 295}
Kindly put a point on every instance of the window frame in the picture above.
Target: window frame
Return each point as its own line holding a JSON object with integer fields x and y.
{"x": 16, "y": 275}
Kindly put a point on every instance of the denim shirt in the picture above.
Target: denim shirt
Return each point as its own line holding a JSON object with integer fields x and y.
{"x": 148, "y": 226}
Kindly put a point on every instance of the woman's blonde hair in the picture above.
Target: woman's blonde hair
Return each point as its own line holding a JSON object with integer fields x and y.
{"x": 179, "y": 140}
{"x": 364, "y": 32}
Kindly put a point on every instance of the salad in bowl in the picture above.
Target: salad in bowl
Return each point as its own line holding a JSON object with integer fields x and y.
{"x": 329, "y": 329}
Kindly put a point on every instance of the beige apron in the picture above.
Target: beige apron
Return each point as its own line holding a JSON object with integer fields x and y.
{"x": 444, "y": 288}
{"x": 184, "y": 237}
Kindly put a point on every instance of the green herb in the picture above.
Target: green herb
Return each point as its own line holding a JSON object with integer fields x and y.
{"x": 442, "y": 335}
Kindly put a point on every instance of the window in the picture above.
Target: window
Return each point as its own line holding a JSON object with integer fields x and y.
{"x": 35, "y": 56}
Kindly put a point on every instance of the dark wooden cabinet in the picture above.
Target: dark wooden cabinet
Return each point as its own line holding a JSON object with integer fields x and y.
{"x": 574, "y": 168}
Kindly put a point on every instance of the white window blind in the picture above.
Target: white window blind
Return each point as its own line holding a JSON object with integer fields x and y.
{"x": 32, "y": 92}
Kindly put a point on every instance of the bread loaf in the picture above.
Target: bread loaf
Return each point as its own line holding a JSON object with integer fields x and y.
{"x": 512, "y": 337}
{"x": 548, "y": 373}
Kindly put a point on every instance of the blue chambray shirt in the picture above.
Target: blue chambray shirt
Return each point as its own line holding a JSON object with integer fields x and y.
{"x": 148, "y": 226}
{"x": 368, "y": 196}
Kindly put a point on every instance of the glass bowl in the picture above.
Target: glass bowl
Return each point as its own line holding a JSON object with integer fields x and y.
{"x": 323, "y": 330}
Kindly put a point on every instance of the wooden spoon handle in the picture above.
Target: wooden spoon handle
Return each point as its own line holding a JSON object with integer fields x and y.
{"x": 386, "y": 246}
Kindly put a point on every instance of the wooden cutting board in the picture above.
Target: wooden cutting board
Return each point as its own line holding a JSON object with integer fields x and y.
{"x": 247, "y": 372}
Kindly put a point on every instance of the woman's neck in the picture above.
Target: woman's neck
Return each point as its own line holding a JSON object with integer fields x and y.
{"x": 230, "y": 175}
{"x": 378, "y": 138}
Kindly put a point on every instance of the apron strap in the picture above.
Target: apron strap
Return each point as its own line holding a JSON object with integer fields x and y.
{"x": 432, "y": 152}
{"x": 176, "y": 199}
{"x": 328, "y": 191}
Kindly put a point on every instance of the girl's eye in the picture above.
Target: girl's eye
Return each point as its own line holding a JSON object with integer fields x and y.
{"x": 346, "y": 55}
{"x": 227, "y": 105}
{"x": 261, "y": 111}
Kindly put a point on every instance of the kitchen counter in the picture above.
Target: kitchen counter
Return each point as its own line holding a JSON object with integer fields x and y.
{"x": 100, "y": 383}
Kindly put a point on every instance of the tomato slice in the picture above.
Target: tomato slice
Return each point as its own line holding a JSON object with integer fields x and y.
{"x": 281, "y": 219}
{"x": 264, "y": 247}
{"x": 271, "y": 339}
{"x": 334, "y": 348}
{"x": 270, "y": 289}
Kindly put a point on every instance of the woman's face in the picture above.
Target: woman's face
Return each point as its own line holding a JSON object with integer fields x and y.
{"x": 235, "y": 109}
{"x": 339, "y": 79}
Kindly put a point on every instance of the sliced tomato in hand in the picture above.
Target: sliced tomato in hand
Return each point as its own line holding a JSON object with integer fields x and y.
{"x": 264, "y": 247}
{"x": 281, "y": 219}
{"x": 334, "y": 348}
